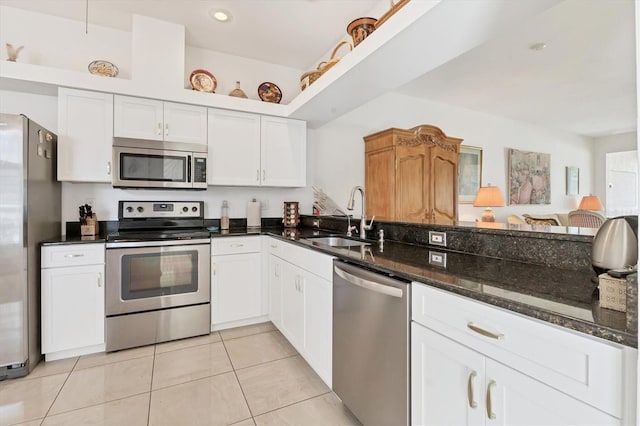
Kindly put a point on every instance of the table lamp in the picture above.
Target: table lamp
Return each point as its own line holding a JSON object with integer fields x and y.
{"x": 488, "y": 196}
{"x": 590, "y": 202}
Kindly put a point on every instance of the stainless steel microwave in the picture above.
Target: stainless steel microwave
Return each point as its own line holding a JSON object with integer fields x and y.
{"x": 156, "y": 164}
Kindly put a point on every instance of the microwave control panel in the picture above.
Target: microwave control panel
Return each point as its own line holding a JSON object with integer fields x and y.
{"x": 200, "y": 170}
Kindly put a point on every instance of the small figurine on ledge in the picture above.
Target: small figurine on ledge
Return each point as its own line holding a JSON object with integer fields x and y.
{"x": 13, "y": 52}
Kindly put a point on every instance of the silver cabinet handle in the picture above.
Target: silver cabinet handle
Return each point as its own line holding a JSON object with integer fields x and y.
{"x": 159, "y": 129}
{"x": 74, "y": 255}
{"x": 470, "y": 392}
{"x": 369, "y": 285}
{"x": 276, "y": 271}
{"x": 273, "y": 246}
{"x": 490, "y": 414}
{"x": 237, "y": 245}
{"x": 258, "y": 175}
{"x": 486, "y": 333}
{"x": 166, "y": 129}
{"x": 213, "y": 269}
{"x": 264, "y": 174}
{"x": 108, "y": 167}
{"x": 99, "y": 279}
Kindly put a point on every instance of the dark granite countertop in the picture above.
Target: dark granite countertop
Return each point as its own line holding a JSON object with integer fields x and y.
{"x": 74, "y": 239}
{"x": 563, "y": 297}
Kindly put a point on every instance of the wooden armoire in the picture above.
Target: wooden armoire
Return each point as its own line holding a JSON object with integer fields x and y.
{"x": 412, "y": 175}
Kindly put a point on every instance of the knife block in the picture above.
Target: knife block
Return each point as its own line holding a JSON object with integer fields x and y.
{"x": 91, "y": 228}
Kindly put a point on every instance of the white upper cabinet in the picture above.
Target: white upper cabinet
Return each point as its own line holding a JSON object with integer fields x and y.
{"x": 251, "y": 150}
{"x": 85, "y": 134}
{"x": 150, "y": 119}
{"x": 234, "y": 148}
{"x": 283, "y": 152}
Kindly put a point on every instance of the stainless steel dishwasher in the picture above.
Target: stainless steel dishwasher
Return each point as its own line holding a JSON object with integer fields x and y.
{"x": 371, "y": 344}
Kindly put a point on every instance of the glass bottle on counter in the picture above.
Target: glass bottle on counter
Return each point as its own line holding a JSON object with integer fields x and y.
{"x": 224, "y": 216}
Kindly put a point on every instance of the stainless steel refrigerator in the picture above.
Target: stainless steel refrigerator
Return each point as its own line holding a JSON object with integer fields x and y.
{"x": 29, "y": 213}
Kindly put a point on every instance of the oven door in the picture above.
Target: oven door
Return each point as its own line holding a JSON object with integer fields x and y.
{"x": 156, "y": 275}
{"x": 152, "y": 168}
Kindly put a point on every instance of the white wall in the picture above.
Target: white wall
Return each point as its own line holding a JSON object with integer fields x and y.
{"x": 337, "y": 149}
{"x": 63, "y": 43}
{"x": 603, "y": 145}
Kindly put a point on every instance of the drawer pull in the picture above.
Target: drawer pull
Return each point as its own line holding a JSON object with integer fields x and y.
{"x": 69, "y": 256}
{"x": 99, "y": 279}
{"x": 484, "y": 332}
{"x": 274, "y": 246}
{"x": 490, "y": 414}
{"x": 470, "y": 392}
{"x": 236, "y": 245}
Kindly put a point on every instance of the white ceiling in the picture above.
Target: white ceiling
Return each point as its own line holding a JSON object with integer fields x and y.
{"x": 584, "y": 82}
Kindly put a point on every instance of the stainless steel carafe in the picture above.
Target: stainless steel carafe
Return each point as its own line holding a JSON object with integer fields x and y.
{"x": 615, "y": 245}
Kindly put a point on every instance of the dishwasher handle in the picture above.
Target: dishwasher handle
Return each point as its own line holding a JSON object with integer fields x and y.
{"x": 369, "y": 285}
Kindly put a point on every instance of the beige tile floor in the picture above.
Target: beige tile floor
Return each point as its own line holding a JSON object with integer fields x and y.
{"x": 246, "y": 376}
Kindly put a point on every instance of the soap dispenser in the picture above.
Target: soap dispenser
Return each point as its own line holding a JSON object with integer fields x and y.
{"x": 224, "y": 216}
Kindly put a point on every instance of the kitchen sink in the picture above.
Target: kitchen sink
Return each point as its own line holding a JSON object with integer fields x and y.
{"x": 337, "y": 242}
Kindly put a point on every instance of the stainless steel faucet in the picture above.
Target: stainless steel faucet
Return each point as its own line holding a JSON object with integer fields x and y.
{"x": 363, "y": 217}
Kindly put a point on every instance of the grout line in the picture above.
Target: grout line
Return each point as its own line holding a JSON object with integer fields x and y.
{"x": 270, "y": 361}
{"x": 238, "y": 380}
{"x": 153, "y": 370}
{"x": 97, "y": 404}
{"x": 294, "y": 403}
{"x": 57, "y": 395}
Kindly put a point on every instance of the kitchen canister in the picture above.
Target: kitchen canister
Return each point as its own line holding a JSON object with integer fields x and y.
{"x": 291, "y": 215}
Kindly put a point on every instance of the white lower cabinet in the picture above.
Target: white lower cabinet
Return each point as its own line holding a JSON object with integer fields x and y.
{"x": 454, "y": 385}
{"x": 301, "y": 292}
{"x": 72, "y": 304}
{"x": 474, "y": 364}
{"x": 237, "y": 294}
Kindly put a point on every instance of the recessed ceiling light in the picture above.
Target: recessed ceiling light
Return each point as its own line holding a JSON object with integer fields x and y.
{"x": 538, "y": 46}
{"x": 220, "y": 15}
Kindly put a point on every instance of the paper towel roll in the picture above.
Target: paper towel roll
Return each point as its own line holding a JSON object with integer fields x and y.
{"x": 253, "y": 214}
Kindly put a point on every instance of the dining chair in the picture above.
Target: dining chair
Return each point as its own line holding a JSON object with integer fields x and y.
{"x": 586, "y": 218}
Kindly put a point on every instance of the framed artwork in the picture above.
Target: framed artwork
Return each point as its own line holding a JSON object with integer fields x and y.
{"x": 469, "y": 173}
{"x": 573, "y": 180}
{"x": 529, "y": 177}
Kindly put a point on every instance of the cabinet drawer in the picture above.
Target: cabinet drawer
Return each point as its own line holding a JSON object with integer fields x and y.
{"x": 234, "y": 245}
{"x": 319, "y": 264}
{"x": 274, "y": 246}
{"x": 72, "y": 255}
{"x": 588, "y": 369}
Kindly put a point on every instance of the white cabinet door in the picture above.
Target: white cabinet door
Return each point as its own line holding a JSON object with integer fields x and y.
{"x": 513, "y": 398}
{"x": 85, "y": 133}
{"x": 283, "y": 152}
{"x": 447, "y": 381}
{"x": 236, "y": 287}
{"x": 318, "y": 316}
{"x": 138, "y": 118}
{"x": 234, "y": 148}
{"x": 185, "y": 123}
{"x": 293, "y": 306}
{"x": 72, "y": 307}
{"x": 275, "y": 290}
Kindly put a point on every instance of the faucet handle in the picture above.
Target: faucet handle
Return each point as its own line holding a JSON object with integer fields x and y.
{"x": 370, "y": 225}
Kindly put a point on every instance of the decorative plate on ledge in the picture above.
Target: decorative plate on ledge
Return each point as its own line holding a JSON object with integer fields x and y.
{"x": 105, "y": 68}
{"x": 269, "y": 92}
{"x": 203, "y": 81}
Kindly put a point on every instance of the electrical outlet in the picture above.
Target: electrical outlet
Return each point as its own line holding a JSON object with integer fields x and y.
{"x": 438, "y": 238}
{"x": 264, "y": 205}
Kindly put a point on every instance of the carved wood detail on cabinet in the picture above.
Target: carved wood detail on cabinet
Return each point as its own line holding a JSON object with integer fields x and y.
{"x": 412, "y": 175}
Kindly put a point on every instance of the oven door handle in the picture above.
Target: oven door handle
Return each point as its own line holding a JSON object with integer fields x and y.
{"x": 189, "y": 169}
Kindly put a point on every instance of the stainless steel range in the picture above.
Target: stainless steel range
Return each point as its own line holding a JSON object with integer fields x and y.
{"x": 158, "y": 274}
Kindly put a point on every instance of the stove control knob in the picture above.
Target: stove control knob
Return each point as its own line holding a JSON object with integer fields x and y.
{"x": 140, "y": 209}
{"x": 185, "y": 209}
{"x": 129, "y": 209}
{"x": 194, "y": 209}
